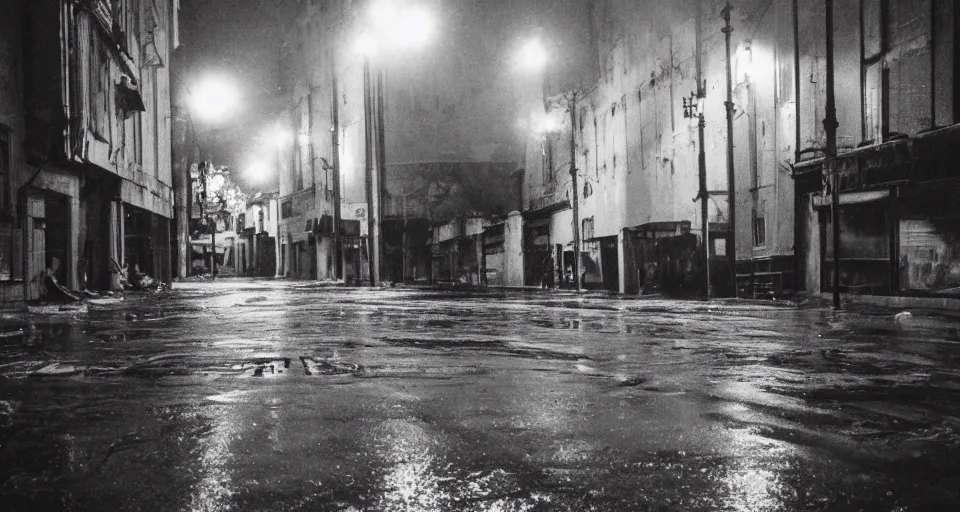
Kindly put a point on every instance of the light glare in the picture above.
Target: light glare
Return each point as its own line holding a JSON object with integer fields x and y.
{"x": 214, "y": 98}
{"x": 533, "y": 56}
{"x": 257, "y": 171}
{"x": 367, "y": 45}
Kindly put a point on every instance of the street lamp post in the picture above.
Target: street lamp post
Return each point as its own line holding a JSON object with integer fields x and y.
{"x": 731, "y": 183}
{"x": 830, "y": 125}
{"x": 337, "y": 214}
{"x": 692, "y": 110}
{"x": 575, "y": 199}
{"x": 213, "y": 99}
{"x": 372, "y": 168}
{"x": 534, "y": 57}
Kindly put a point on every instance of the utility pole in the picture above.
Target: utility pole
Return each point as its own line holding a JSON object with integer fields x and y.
{"x": 337, "y": 215}
{"x": 691, "y": 109}
{"x": 381, "y": 168}
{"x": 731, "y": 184}
{"x": 373, "y": 241}
{"x": 575, "y": 199}
{"x": 703, "y": 194}
{"x": 830, "y": 125}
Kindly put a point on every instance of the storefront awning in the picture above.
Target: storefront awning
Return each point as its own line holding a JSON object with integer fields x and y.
{"x": 546, "y": 211}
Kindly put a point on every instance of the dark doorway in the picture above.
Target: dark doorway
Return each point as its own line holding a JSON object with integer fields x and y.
{"x": 57, "y": 235}
{"x": 138, "y": 241}
{"x": 538, "y": 255}
{"x": 609, "y": 264}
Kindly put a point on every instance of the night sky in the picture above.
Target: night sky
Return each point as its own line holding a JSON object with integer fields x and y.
{"x": 240, "y": 39}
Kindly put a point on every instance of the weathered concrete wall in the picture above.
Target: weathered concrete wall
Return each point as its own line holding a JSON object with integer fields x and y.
{"x": 513, "y": 250}
{"x": 637, "y": 154}
{"x": 134, "y": 145}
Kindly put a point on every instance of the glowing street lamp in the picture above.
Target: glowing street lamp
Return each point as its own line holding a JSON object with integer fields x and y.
{"x": 214, "y": 98}
{"x": 279, "y": 136}
{"x": 257, "y": 171}
{"x": 389, "y": 26}
{"x": 533, "y": 56}
{"x": 402, "y": 26}
{"x": 367, "y": 45}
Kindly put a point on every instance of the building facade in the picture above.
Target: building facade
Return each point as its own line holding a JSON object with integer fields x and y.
{"x": 13, "y": 166}
{"x": 897, "y": 173}
{"x": 636, "y": 150}
{"x": 88, "y": 138}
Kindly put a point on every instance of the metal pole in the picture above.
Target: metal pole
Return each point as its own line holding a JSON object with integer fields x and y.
{"x": 337, "y": 214}
{"x": 213, "y": 227}
{"x": 369, "y": 171}
{"x": 381, "y": 169}
{"x": 704, "y": 193}
{"x": 704, "y": 206}
{"x": 575, "y": 198}
{"x": 731, "y": 183}
{"x": 830, "y": 125}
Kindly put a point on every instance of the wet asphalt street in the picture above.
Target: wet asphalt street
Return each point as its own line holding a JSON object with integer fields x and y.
{"x": 242, "y": 395}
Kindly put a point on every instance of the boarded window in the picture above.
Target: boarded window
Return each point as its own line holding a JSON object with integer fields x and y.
{"x": 872, "y": 100}
{"x": 760, "y": 224}
{"x": 910, "y": 98}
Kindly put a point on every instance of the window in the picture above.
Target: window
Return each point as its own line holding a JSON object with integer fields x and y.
{"x": 136, "y": 122}
{"x": 547, "y": 151}
{"x": 99, "y": 89}
{"x": 587, "y": 230}
{"x": 759, "y": 228}
{"x": 898, "y": 68}
{"x": 155, "y": 117}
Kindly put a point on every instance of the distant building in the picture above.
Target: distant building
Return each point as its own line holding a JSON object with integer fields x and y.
{"x": 90, "y": 103}
{"x": 446, "y": 152}
{"x": 259, "y": 248}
